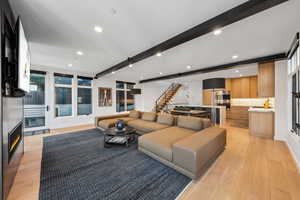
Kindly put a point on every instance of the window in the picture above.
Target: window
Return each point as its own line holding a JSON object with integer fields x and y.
{"x": 294, "y": 78}
{"x": 124, "y": 98}
{"x": 84, "y": 81}
{"x": 63, "y": 95}
{"x": 84, "y": 95}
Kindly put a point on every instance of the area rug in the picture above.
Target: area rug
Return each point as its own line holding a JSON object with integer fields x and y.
{"x": 76, "y": 166}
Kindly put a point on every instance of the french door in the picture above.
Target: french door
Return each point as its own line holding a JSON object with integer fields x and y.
{"x": 35, "y": 103}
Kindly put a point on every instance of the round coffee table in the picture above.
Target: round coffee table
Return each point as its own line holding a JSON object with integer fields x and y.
{"x": 112, "y": 136}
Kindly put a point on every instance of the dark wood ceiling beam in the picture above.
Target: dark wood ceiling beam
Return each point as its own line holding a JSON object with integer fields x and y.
{"x": 270, "y": 58}
{"x": 231, "y": 16}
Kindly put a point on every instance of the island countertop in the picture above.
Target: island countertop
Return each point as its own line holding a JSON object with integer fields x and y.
{"x": 222, "y": 110}
{"x": 253, "y": 109}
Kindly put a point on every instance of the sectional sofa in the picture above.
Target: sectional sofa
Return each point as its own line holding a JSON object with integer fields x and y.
{"x": 188, "y": 144}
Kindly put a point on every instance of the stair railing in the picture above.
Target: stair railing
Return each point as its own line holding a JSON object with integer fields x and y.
{"x": 163, "y": 96}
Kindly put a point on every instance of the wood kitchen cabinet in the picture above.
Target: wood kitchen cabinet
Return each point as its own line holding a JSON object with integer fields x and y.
{"x": 238, "y": 116}
{"x": 266, "y": 79}
{"x": 253, "y": 87}
{"x": 261, "y": 124}
{"x": 228, "y": 84}
{"x": 207, "y": 95}
{"x": 242, "y": 88}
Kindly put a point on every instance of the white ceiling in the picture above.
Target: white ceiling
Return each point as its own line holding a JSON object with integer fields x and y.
{"x": 57, "y": 29}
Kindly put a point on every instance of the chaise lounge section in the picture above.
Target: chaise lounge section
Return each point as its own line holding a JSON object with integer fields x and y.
{"x": 187, "y": 144}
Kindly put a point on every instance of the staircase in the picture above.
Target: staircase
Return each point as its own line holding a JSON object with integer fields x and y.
{"x": 166, "y": 97}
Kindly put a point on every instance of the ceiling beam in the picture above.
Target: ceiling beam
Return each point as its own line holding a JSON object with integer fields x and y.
{"x": 270, "y": 58}
{"x": 231, "y": 16}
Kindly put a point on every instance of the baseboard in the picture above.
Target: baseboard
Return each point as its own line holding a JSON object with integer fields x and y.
{"x": 293, "y": 155}
{"x": 72, "y": 128}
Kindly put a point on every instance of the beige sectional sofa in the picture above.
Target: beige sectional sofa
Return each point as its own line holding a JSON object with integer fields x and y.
{"x": 188, "y": 144}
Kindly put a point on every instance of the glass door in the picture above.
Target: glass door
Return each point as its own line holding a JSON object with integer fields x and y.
{"x": 35, "y": 106}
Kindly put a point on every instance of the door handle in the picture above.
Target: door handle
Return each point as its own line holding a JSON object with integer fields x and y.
{"x": 47, "y": 108}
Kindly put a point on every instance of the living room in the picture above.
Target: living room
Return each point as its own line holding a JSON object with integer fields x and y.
{"x": 103, "y": 101}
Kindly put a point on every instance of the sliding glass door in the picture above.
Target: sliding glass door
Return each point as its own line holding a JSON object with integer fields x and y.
{"x": 35, "y": 106}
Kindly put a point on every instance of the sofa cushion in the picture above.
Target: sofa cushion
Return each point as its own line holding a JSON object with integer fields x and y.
{"x": 160, "y": 142}
{"x": 146, "y": 126}
{"x": 195, "y": 152}
{"x": 165, "y": 119}
{"x": 108, "y": 123}
{"x": 134, "y": 114}
{"x": 206, "y": 123}
{"x": 193, "y": 123}
{"x": 149, "y": 116}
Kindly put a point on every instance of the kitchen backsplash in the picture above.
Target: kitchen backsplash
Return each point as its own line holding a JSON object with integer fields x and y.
{"x": 251, "y": 102}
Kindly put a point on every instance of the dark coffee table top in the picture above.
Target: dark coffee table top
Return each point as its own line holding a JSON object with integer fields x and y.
{"x": 114, "y": 132}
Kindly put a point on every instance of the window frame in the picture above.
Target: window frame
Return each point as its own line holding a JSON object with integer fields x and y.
{"x": 87, "y": 87}
{"x": 294, "y": 103}
{"x": 72, "y": 96}
{"x": 125, "y": 90}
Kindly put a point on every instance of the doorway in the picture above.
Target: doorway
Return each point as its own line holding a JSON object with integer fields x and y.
{"x": 35, "y": 105}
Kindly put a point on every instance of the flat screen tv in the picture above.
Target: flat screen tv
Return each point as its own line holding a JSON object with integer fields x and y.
{"x": 23, "y": 57}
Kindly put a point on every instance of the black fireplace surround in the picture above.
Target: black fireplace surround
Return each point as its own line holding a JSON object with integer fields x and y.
{"x": 14, "y": 139}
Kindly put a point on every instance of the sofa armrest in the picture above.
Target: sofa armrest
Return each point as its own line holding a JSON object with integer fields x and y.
{"x": 198, "y": 151}
{"x": 97, "y": 119}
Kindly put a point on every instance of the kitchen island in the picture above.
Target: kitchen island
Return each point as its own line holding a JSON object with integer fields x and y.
{"x": 261, "y": 122}
{"x": 220, "y": 111}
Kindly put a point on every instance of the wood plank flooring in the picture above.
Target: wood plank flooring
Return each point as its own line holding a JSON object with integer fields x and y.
{"x": 249, "y": 169}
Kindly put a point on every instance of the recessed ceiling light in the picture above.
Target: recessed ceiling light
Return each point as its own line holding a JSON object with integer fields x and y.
{"x": 189, "y": 67}
{"x": 79, "y": 53}
{"x": 70, "y": 65}
{"x": 130, "y": 65}
{"x": 113, "y": 72}
{"x": 159, "y": 54}
{"x": 98, "y": 29}
{"x": 160, "y": 73}
{"x": 235, "y": 56}
{"x": 237, "y": 71}
{"x": 217, "y": 31}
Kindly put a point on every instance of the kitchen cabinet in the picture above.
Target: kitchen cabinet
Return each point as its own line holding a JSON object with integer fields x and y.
{"x": 266, "y": 79}
{"x": 253, "y": 87}
{"x": 238, "y": 116}
{"x": 241, "y": 87}
{"x": 261, "y": 124}
{"x": 207, "y": 95}
{"x": 228, "y": 84}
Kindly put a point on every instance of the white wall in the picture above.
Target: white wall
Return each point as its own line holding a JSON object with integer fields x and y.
{"x": 75, "y": 120}
{"x": 150, "y": 92}
{"x": 281, "y": 89}
{"x": 190, "y": 93}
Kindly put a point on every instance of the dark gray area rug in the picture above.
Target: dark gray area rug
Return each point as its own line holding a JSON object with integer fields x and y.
{"x": 77, "y": 166}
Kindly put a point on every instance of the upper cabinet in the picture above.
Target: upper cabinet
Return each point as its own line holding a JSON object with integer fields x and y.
{"x": 253, "y": 87}
{"x": 245, "y": 87}
{"x": 266, "y": 80}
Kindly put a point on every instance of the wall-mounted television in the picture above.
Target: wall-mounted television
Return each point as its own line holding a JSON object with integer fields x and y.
{"x": 23, "y": 57}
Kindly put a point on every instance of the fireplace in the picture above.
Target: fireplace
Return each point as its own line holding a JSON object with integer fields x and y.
{"x": 14, "y": 139}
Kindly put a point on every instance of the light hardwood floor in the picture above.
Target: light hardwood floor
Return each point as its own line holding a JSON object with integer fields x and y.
{"x": 249, "y": 169}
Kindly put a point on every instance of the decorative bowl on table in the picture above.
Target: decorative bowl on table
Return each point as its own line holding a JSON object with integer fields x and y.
{"x": 120, "y": 125}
